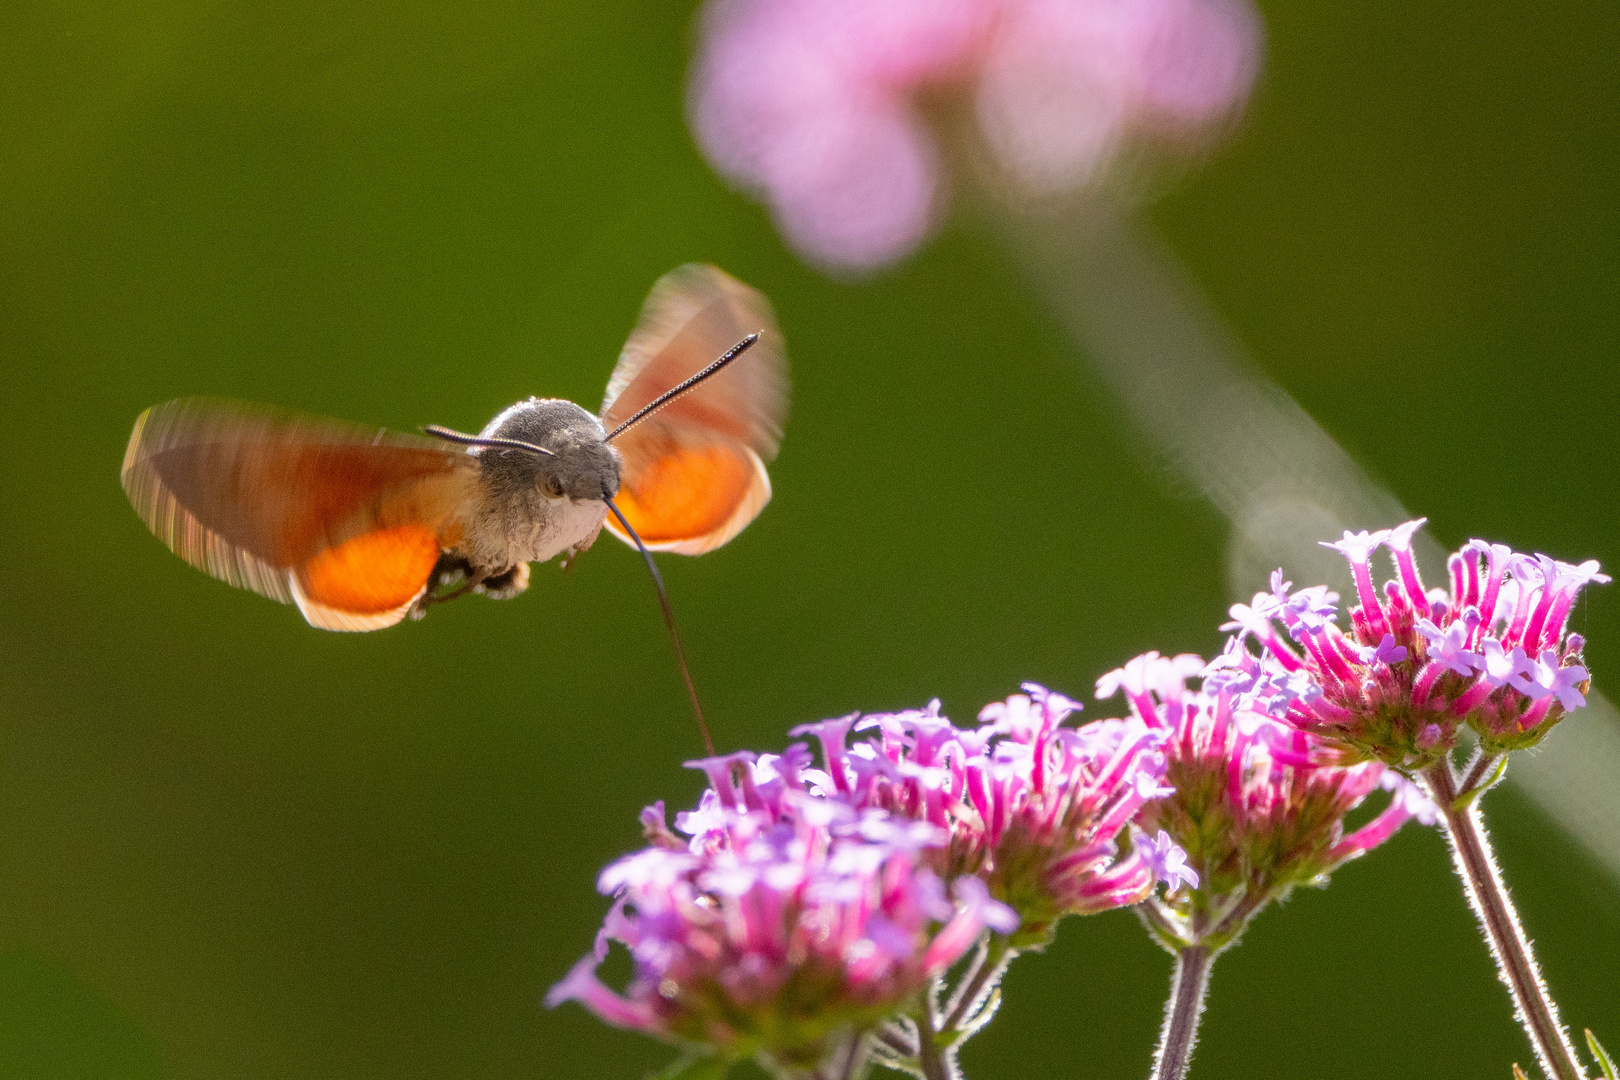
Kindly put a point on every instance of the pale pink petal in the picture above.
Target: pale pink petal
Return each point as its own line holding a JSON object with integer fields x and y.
{"x": 854, "y": 188}
{"x": 582, "y": 985}
{"x": 1187, "y": 63}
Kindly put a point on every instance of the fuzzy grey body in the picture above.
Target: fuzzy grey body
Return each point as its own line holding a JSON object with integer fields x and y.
{"x": 535, "y": 507}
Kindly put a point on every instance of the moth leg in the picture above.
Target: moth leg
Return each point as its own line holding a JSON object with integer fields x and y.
{"x": 506, "y": 584}
{"x": 453, "y": 573}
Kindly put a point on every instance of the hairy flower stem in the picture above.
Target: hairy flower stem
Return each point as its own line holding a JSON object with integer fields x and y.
{"x": 1479, "y": 770}
{"x": 1476, "y": 865}
{"x": 942, "y": 1028}
{"x": 979, "y": 980}
{"x": 937, "y": 1062}
{"x": 850, "y": 1065}
{"x": 1189, "y": 981}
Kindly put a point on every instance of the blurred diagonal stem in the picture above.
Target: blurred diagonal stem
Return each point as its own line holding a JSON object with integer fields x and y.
{"x": 1215, "y": 419}
{"x": 1482, "y": 881}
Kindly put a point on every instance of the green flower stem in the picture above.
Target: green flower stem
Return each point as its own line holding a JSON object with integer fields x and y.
{"x": 894, "y": 1042}
{"x": 941, "y": 1030}
{"x": 979, "y": 980}
{"x": 1484, "y": 769}
{"x": 1189, "y": 982}
{"x": 1482, "y": 881}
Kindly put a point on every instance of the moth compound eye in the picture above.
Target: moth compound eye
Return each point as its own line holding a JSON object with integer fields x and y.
{"x": 552, "y": 486}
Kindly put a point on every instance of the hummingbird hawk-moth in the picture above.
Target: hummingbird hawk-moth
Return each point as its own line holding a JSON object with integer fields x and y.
{"x": 360, "y": 526}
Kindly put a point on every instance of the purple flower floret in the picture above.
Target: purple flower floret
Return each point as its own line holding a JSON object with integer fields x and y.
{"x": 1255, "y": 807}
{"x": 1039, "y": 811}
{"x": 1491, "y": 652}
{"x": 1385, "y": 652}
{"x": 796, "y": 907}
{"x": 1169, "y": 861}
{"x": 782, "y": 923}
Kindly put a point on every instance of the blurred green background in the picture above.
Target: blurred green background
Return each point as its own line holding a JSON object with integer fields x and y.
{"x": 232, "y": 846}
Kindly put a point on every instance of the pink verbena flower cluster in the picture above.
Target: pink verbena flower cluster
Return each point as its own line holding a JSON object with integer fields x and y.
{"x": 1257, "y": 806}
{"x": 797, "y": 908}
{"x": 784, "y": 924}
{"x": 1035, "y": 809}
{"x": 1492, "y": 652}
{"x": 829, "y": 109}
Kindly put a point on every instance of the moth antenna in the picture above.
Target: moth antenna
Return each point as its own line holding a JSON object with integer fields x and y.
{"x": 676, "y": 391}
{"x": 663, "y": 600}
{"x": 478, "y": 440}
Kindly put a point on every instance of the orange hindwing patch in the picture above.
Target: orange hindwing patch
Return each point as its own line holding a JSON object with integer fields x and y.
{"x": 373, "y": 574}
{"x": 686, "y": 492}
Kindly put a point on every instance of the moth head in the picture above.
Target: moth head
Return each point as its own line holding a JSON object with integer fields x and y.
{"x": 546, "y": 445}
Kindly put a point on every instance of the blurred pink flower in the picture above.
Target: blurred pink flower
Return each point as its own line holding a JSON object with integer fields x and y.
{"x": 815, "y": 105}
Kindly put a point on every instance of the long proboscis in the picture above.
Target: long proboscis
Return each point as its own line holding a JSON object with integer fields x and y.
{"x": 680, "y": 388}
{"x": 641, "y": 414}
{"x": 669, "y": 621}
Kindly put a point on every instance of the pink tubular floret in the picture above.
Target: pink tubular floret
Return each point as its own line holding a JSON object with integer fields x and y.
{"x": 778, "y": 882}
{"x": 1411, "y": 669}
{"x": 793, "y": 880}
{"x": 1357, "y": 548}
{"x": 1279, "y": 793}
{"x": 1400, "y": 544}
{"x": 582, "y": 985}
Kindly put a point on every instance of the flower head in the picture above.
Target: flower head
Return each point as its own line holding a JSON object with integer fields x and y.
{"x": 780, "y": 923}
{"x": 1492, "y": 652}
{"x": 1257, "y": 807}
{"x": 823, "y": 107}
{"x": 796, "y": 906}
{"x": 1038, "y": 810}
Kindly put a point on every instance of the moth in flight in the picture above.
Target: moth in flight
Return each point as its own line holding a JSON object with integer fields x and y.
{"x": 360, "y": 526}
